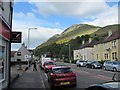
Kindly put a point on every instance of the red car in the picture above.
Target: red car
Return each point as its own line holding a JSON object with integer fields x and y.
{"x": 48, "y": 65}
{"x": 61, "y": 76}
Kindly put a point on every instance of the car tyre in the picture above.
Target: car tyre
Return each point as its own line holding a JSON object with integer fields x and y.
{"x": 114, "y": 69}
{"x": 104, "y": 68}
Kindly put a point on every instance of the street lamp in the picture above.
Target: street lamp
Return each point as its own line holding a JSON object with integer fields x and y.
{"x": 29, "y": 35}
{"x": 69, "y": 46}
{"x": 29, "y": 40}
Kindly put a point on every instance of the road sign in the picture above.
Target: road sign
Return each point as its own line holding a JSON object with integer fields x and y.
{"x": 16, "y": 37}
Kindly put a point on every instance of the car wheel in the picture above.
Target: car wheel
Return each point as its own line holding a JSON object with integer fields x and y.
{"x": 114, "y": 69}
{"x": 104, "y": 68}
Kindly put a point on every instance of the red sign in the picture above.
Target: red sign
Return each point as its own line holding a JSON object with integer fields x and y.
{"x": 4, "y": 31}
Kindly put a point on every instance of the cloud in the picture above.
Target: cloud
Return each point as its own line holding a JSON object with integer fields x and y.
{"x": 76, "y": 9}
{"x": 22, "y": 22}
{"x": 108, "y": 17}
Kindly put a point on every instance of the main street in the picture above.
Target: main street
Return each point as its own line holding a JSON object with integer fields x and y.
{"x": 85, "y": 76}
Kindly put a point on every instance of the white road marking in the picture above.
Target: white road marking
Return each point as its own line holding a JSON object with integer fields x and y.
{"x": 42, "y": 81}
{"x": 46, "y": 75}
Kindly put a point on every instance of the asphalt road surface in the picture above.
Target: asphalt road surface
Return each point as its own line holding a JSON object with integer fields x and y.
{"x": 85, "y": 77}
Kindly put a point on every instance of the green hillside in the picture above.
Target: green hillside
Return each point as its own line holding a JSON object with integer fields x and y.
{"x": 104, "y": 30}
{"x": 78, "y": 30}
{"x": 75, "y": 31}
{"x": 71, "y": 33}
{"x": 49, "y": 41}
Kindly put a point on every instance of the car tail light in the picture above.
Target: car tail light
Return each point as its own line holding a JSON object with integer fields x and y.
{"x": 53, "y": 75}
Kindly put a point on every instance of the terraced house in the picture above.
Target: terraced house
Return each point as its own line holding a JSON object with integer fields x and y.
{"x": 107, "y": 48}
{"x": 111, "y": 47}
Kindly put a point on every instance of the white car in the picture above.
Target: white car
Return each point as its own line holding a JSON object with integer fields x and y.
{"x": 81, "y": 63}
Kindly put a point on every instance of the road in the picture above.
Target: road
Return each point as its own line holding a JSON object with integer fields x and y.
{"x": 85, "y": 76}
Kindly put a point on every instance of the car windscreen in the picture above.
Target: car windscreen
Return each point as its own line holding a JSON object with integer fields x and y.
{"x": 62, "y": 70}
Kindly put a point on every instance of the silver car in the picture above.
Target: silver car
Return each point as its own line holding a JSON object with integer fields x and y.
{"x": 112, "y": 65}
{"x": 81, "y": 63}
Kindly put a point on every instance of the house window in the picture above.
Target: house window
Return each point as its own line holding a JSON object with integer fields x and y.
{"x": 114, "y": 55}
{"x": 1, "y": 4}
{"x": 106, "y": 55}
{"x": 113, "y": 44}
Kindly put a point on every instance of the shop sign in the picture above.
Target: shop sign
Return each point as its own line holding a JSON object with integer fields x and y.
{"x": 16, "y": 37}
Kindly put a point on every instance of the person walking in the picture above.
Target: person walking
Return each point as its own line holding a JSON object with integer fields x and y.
{"x": 34, "y": 66}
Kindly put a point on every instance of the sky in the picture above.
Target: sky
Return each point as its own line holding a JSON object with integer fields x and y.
{"x": 52, "y": 17}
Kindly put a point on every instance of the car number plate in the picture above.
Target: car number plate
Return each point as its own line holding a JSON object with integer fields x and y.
{"x": 65, "y": 83}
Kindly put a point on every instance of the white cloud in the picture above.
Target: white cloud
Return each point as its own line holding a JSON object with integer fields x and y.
{"x": 108, "y": 17}
{"x": 22, "y": 22}
{"x": 76, "y": 9}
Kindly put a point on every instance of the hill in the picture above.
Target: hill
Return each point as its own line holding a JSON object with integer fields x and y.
{"x": 104, "y": 30}
{"x": 75, "y": 31}
{"x": 78, "y": 30}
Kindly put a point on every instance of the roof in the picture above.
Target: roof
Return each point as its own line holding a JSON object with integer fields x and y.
{"x": 87, "y": 44}
{"x": 114, "y": 36}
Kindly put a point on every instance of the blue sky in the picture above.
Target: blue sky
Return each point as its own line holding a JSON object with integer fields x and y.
{"x": 53, "y": 17}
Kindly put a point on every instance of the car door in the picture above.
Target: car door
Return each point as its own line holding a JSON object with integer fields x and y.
{"x": 110, "y": 66}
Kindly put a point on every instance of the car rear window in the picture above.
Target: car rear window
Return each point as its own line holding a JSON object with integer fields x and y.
{"x": 49, "y": 63}
{"x": 62, "y": 70}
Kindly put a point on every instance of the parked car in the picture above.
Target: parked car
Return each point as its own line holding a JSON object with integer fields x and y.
{"x": 93, "y": 64}
{"x": 112, "y": 65}
{"x": 81, "y": 63}
{"x": 42, "y": 61}
{"x": 48, "y": 65}
{"x": 61, "y": 76}
{"x": 114, "y": 84}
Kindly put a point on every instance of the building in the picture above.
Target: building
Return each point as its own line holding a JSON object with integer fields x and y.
{"x": 23, "y": 54}
{"x": 6, "y": 10}
{"x": 85, "y": 51}
{"x": 12, "y": 55}
{"x": 111, "y": 46}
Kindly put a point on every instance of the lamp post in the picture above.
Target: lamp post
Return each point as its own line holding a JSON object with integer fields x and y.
{"x": 29, "y": 35}
{"x": 29, "y": 40}
{"x": 69, "y": 46}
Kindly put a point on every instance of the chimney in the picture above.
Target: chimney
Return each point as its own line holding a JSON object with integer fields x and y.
{"x": 109, "y": 32}
{"x": 83, "y": 42}
{"x": 90, "y": 39}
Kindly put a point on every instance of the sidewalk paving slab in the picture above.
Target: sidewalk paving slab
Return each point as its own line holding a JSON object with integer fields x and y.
{"x": 28, "y": 80}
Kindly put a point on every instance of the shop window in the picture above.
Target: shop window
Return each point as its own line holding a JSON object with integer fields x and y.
{"x": 2, "y": 62}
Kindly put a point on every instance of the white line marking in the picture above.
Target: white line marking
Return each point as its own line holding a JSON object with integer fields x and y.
{"x": 46, "y": 75}
{"x": 42, "y": 81}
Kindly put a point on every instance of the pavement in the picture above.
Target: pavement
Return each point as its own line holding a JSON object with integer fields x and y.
{"x": 29, "y": 80}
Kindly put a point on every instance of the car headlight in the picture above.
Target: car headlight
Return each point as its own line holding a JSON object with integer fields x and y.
{"x": 95, "y": 65}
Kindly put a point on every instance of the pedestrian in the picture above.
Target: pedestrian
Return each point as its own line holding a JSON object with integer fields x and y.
{"x": 34, "y": 66}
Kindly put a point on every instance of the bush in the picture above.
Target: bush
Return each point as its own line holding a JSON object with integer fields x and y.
{"x": 102, "y": 61}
